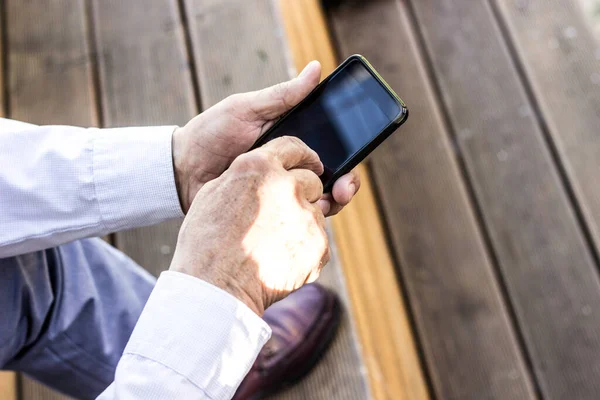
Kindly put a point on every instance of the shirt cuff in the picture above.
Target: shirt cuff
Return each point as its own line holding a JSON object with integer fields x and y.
{"x": 133, "y": 176}
{"x": 200, "y": 332}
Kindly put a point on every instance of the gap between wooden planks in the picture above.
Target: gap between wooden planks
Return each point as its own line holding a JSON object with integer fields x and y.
{"x": 386, "y": 341}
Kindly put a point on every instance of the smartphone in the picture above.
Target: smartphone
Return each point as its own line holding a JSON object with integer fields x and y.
{"x": 344, "y": 118}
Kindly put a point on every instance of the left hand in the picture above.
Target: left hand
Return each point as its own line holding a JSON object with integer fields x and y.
{"x": 205, "y": 147}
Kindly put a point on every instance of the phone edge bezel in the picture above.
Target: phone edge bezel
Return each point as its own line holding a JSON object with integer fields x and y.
{"x": 362, "y": 153}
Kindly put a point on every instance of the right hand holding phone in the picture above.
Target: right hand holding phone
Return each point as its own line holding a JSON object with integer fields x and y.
{"x": 257, "y": 231}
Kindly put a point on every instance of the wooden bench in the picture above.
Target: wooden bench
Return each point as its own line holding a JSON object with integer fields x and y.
{"x": 490, "y": 193}
{"x": 469, "y": 261}
{"x": 163, "y": 66}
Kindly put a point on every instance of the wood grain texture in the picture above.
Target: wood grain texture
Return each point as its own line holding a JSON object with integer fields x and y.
{"x": 551, "y": 278}
{"x": 49, "y": 70}
{"x": 8, "y": 386}
{"x": 468, "y": 342}
{"x": 49, "y": 80}
{"x": 561, "y": 60}
{"x": 386, "y": 340}
{"x": 249, "y": 54}
{"x": 32, "y": 390}
{"x": 145, "y": 80}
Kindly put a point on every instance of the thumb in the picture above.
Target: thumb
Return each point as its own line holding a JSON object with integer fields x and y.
{"x": 273, "y": 101}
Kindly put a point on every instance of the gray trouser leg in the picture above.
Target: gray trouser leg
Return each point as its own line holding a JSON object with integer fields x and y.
{"x": 66, "y": 314}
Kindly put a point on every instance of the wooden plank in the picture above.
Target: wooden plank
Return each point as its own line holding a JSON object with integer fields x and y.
{"x": 560, "y": 57}
{"x": 33, "y": 390}
{"x": 49, "y": 80}
{"x": 145, "y": 80}
{"x": 244, "y": 53}
{"x": 560, "y": 60}
{"x": 468, "y": 343}
{"x": 386, "y": 339}
{"x": 49, "y": 71}
{"x": 8, "y": 386}
{"x": 549, "y": 273}
{"x": 248, "y": 55}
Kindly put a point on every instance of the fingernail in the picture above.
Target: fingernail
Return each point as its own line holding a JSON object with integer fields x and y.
{"x": 352, "y": 188}
{"x": 306, "y": 69}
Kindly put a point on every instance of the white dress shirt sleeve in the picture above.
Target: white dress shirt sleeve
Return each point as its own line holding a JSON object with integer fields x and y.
{"x": 60, "y": 183}
{"x": 192, "y": 341}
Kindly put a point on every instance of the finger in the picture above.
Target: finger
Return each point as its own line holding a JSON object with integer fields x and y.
{"x": 325, "y": 205}
{"x": 273, "y": 101}
{"x": 329, "y": 206}
{"x": 334, "y": 209}
{"x": 292, "y": 153}
{"x": 346, "y": 187}
{"x": 308, "y": 183}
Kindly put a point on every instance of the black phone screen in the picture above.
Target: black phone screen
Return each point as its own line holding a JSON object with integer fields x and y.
{"x": 340, "y": 117}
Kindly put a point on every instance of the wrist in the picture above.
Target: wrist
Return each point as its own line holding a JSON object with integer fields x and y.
{"x": 242, "y": 295}
{"x": 251, "y": 298}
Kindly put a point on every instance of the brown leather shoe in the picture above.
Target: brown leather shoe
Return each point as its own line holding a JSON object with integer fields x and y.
{"x": 303, "y": 326}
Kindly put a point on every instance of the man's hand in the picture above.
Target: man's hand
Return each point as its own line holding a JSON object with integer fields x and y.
{"x": 208, "y": 144}
{"x": 257, "y": 231}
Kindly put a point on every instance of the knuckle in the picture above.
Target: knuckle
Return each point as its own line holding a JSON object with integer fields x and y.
{"x": 296, "y": 141}
{"x": 290, "y": 141}
{"x": 254, "y": 161}
{"x": 297, "y": 145}
{"x": 278, "y": 142}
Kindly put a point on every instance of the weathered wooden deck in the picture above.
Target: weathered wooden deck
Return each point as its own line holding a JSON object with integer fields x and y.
{"x": 469, "y": 261}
